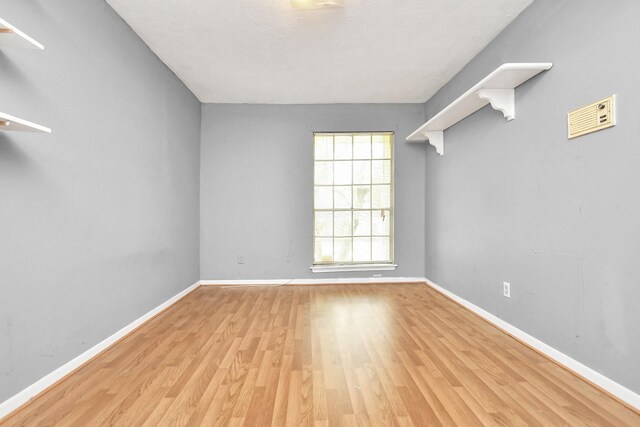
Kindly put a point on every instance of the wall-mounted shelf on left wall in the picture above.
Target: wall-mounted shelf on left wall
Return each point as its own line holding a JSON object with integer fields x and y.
{"x": 10, "y": 123}
{"x": 10, "y": 36}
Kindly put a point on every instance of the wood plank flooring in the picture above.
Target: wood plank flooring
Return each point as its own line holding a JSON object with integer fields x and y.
{"x": 343, "y": 355}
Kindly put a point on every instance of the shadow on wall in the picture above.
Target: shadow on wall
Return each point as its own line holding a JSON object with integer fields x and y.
{"x": 10, "y": 71}
{"x": 12, "y": 157}
{"x": 15, "y": 161}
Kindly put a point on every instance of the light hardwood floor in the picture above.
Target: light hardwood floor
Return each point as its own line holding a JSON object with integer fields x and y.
{"x": 321, "y": 355}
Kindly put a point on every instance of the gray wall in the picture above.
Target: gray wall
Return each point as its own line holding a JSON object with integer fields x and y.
{"x": 558, "y": 219}
{"x": 99, "y": 219}
{"x": 257, "y": 186}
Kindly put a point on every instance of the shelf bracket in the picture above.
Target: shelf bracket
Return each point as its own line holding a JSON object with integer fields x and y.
{"x": 503, "y": 100}
{"x": 436, "y": 138}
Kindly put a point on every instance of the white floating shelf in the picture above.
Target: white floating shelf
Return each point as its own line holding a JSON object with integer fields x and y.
{"x": 497, "y": 89}
{"x": 10, "y": 123}
{"x": 10, "y": 36}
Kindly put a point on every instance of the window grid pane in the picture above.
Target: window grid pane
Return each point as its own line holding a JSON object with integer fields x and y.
{"x": 353, "y": 198}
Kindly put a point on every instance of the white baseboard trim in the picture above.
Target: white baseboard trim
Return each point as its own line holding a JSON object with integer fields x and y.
{"x": 274, "y": 282}
{"x": 281, "y": 282}
{"x": 15, "y": 402}
{"x": 618, "y": 390}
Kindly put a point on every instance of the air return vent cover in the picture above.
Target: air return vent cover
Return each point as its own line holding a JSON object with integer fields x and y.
{"x": 591, "y": 118}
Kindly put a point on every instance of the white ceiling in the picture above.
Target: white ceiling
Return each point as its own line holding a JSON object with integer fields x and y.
{"x": 262, "y": 51}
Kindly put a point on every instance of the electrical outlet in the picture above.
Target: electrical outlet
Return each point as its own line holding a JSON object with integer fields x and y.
{"x": 506, "y": 289}
{"x": 240, "y": 259}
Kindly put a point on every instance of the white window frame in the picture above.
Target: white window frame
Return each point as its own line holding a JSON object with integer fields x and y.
{"x": 355, "y": 266}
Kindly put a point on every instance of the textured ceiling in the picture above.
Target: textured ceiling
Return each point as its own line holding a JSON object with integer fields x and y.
{"x": 263, "y": 51}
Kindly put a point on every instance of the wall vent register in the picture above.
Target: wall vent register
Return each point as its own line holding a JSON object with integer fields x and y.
{"x": 591, "y": 118}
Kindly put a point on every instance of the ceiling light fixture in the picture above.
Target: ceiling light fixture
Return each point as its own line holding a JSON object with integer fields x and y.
{"x": 316, "y": 4}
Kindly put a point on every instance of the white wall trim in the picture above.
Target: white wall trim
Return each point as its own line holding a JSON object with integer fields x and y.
{"x": 336, "y": 268}
{"x": 281, "y": 282}
{"x": 15, "y": 402}
{"x": 270, "y": 282}
{"x": 618, "y": 390}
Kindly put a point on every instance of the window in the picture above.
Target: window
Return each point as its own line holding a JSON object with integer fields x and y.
{"x": 353, "y": 198}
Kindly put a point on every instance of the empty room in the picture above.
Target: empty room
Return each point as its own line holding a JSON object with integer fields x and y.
{"x": 319, "y": 213}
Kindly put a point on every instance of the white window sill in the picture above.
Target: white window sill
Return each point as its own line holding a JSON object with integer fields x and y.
{"x": 352, "y": 267}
